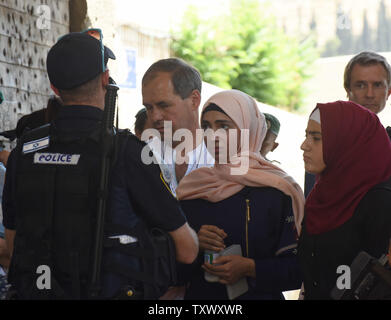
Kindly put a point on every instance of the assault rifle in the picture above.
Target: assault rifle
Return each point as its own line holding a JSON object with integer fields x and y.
{"x": 108, "y": 141}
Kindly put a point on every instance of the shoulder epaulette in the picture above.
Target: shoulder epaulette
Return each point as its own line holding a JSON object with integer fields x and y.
{"x": 131, "y": 136}
{"x": 36, "y": 133}
{"x": 35, "y": 139}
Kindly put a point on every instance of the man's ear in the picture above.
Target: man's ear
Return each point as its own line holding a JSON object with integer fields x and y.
{"x": 195, "y": 97}
{"x": 389, "y": 92}
{"x": 55, "y": 90}
{"x": 276, "y": 144}
{"x": 349, "y": 94}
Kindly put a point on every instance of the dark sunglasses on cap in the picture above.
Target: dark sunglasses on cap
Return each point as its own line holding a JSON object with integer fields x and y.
{"x": 98, "y": 35}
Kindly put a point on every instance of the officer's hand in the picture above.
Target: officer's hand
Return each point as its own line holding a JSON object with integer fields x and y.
{"x": 230, "y": 269}
{"x": 211, "y": 238}
{"x": 4, "y": 154}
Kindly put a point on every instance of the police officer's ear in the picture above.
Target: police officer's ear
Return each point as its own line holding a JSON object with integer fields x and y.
{"x": 105, "y": 78}
{"x": 55, "y": 90}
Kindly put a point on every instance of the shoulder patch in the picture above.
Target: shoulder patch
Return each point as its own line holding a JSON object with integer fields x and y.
{"x": 167, "y": 187}
{"x": 35, "y": 145}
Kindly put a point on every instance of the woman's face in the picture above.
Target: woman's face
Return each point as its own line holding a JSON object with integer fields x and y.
{"x": 313, "y": 148}
{"x": 216, "y": 120}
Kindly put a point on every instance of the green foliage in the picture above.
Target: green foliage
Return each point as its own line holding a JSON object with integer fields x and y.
{"x": 244, "y": 49}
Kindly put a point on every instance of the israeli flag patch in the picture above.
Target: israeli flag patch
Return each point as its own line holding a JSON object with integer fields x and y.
{"x": 35, "y": 145}
{"x": 57, "y": 158}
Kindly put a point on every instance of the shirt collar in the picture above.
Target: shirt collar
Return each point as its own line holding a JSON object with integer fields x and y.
{"x": 80, "y": 111}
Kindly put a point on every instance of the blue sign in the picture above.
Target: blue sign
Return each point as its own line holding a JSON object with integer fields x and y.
{"x": 130, "y": 81}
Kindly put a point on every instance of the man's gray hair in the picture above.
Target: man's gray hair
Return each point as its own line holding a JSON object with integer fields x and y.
{"x": 365, "y": 58}
{"x": 184, "y": 77}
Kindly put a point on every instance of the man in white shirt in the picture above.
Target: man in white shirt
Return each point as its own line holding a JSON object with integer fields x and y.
{"x": 171, "y": 91}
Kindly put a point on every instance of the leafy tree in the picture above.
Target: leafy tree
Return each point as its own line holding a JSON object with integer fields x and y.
{"x": 366, "y": 37}
{"x": 383, "y": 42}
{"x": 344, "y": 33}
{"x": 244, "y": 49}
{"x": 331, "y": 47}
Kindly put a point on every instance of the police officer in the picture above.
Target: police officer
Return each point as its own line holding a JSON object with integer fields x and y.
{"x": 51, "y": 186}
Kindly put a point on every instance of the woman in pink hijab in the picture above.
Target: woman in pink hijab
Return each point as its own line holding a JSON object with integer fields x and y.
{"x": 243, "y": 200}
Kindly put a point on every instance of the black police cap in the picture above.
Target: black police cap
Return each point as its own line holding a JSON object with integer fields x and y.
{"x": 75, "y": 59}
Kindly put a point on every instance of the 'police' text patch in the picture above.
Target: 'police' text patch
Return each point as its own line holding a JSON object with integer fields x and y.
{"x": 56, "y": 158}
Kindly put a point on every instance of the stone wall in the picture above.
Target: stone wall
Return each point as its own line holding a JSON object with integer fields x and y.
{"x": 28, "y": 28}
{"x": 26, "y": 37}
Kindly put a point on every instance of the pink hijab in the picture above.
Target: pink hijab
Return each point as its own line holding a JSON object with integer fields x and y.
{"x": 217, "y": 183}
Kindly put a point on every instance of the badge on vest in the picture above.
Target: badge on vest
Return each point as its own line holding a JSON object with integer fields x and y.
{"x": 56, "y": 158}
{"x": 35, "y": 145}
{"x": 125, "y": 239}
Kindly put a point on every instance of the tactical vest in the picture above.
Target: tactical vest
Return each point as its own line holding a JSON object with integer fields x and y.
{"x": 57, "y": 192}
{"x": 56, "y": 195}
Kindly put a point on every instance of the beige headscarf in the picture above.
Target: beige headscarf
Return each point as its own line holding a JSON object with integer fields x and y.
{"x": 218, "y": 183}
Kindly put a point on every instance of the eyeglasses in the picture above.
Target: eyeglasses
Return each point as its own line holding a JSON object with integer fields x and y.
{"x": 98, "y": 35}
